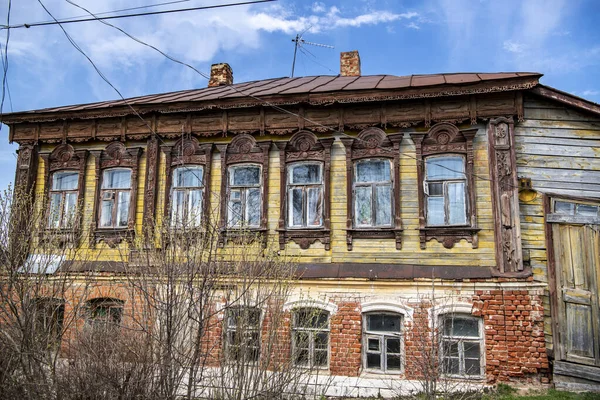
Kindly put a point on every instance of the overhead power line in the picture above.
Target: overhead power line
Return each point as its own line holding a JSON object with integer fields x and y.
{"x": 71, "y": 21}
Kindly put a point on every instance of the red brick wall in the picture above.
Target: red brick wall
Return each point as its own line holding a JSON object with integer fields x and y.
{"x": 345, "y": 340}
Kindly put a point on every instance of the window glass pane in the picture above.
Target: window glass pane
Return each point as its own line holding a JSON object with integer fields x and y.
{"x": 444, "y": 168}
{"x": 362, "y": 204}
{"x": 70, "y": 208}
{"x": 563, "y": 207}
{"x": 54, "y": 212}
{"x": 314, "y": 210}
{"x": 321, "y": 340}
{"x": 472, "y": 367}
{"x": 373, "y": 360}
{"x": 451, "y": 366}
{"x": 472, "y": 349}
{"x": 587, "y": 210}
{"x": 436, "y": 189}
{"x": 177, "y": 207}
{"x": 459, "y": 326}
{"x": 373, "y": 171}
{"x": 116, "y": 179}
{"x": 373, "y": 344}
{"x": 301, "y": 357}
{"x": 123, "y": 209}
{"x": 392, "y": 345}
{"x": 253, "y": 207}
{"x": 457, "y": 205}
{"x": 188, "y": 176}
{"x": 106, "y": 213}
{"x": 248, "y": 175}
{"x": 67, "y": 180}
{"x": 305, "y": 173}
{"x": 393, "y": 362}
{"x": 435, "y": 211}
{"x": 320, "y": 358}
{"x": 450, "y": 349}
{"x": 295, "y": 217}
{"x": 383, "y": 323}
{"x": 234, "y": 212}
{"x": 383, "y": 208}
{"x": 311, "y": 318}
{"x": 195, "y": 207}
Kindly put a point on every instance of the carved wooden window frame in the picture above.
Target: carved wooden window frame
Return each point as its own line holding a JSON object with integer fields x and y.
{"x": 62, "y": 159}
{"x": 116, "y": 155}
{"x": 243, "y": 149}
{"x": 188, "y": 152}
{"x": 304, "y": 146}
{"x": 373, "y": 143}
{"x": 445, "y": 138}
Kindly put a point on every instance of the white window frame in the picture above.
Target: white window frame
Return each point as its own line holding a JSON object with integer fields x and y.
{"x": 187, "y": 190}
{"x": 382, "y": 337}
{"x": 373, "y": 186}
{"x": 460, "y": 341}
{"x": 311, "y": 332}
{"x": 304, "y": 187}
{"x": 445, "y": 194}
{"x": 64, "y": 222}
{"x": 244, "y": 196}
{"x": 115, "y": 194}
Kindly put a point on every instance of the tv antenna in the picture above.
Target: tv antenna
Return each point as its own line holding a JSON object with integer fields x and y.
{"x": 299, "y": 41}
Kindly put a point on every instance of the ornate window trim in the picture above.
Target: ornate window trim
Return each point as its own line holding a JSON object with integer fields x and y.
{"x": 305, "y": 146}
{"x": 446, "y": 138}
{"x": 113, "y": 156}
{"x": 373, "y": 143}
{"x": 190, "y": 152}
{"x": 243, "y": 149}
{"x": 64, "y": 158}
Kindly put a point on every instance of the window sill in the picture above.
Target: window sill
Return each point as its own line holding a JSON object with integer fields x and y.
{"x": 448, "y": 236}
{"x": 374, "y": 233}
{"x": 305, "y": 237}
{"x": 113, "y": 236}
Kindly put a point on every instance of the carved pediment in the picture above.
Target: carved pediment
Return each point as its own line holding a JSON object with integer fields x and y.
{"x": 65, "y": 157}
{"x": 117, "y": 155}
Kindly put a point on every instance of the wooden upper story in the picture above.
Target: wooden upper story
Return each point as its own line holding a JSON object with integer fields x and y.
{"x": 365, "y": 176}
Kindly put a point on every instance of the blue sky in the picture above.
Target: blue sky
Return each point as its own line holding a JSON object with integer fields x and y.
{"x": 559, "y": 38}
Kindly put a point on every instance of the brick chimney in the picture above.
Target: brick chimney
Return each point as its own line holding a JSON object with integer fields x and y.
{"x": 350, "y": 63}
{"x": 220, "y": 75}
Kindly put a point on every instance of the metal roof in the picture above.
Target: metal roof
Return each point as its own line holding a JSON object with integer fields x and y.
{"x": 310, "y": 85}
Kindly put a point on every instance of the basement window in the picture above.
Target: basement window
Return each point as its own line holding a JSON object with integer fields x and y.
{"x": 462, "y": 345}
{"x": 104, "y": 313}
{"x": 243, "y": 334}
{"x": 310, "y": 338}
{"x": 382, "y": 342}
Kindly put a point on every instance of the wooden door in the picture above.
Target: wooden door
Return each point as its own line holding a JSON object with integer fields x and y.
{"x": 577, "y": 269}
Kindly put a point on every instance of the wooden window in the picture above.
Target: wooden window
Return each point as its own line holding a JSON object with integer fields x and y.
{"x": 462, "y": 345}
{"x": 446, "y": 190}
{"x": 310, "y": 338}
{"x": 305, "y": 191}
{"x": 373, "y": 201}
{"x": 115, "y": 198}
{"x": 63, "y": 199}
{"x": 244, "y": 196}
{"x": 305, "y": 165}
{"x": 373, "y": 186}
{"x": 116, "y": 194}
{"x": 64, "y": 170}
{"x": 187, "y": 197}
{"x": 244, "y": 188}
{"x": 104, "y": 313}
{"x": 188, "y": 175}
{"x": 382, "y": 347}
{"x": 243, "y": 333}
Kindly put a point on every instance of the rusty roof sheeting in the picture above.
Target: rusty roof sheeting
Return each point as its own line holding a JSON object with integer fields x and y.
{"x": 292, "y": 86}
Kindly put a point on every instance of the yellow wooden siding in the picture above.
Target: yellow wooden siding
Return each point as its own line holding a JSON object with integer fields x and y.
{"x": 364, "y": 250}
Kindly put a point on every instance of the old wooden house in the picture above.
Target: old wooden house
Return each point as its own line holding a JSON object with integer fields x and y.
{"x": 483, "y": 186}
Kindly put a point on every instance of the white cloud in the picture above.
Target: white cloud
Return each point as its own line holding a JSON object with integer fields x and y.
{"x": 591, "y": 92}
{"x": 413, "y": 25}
{"x": 318, "y": 7}
{"x": 513, "y": 47}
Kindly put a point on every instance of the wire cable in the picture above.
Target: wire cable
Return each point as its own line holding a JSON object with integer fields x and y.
{"x": 5, "y": 63}
{"x": 71, "y": 21}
